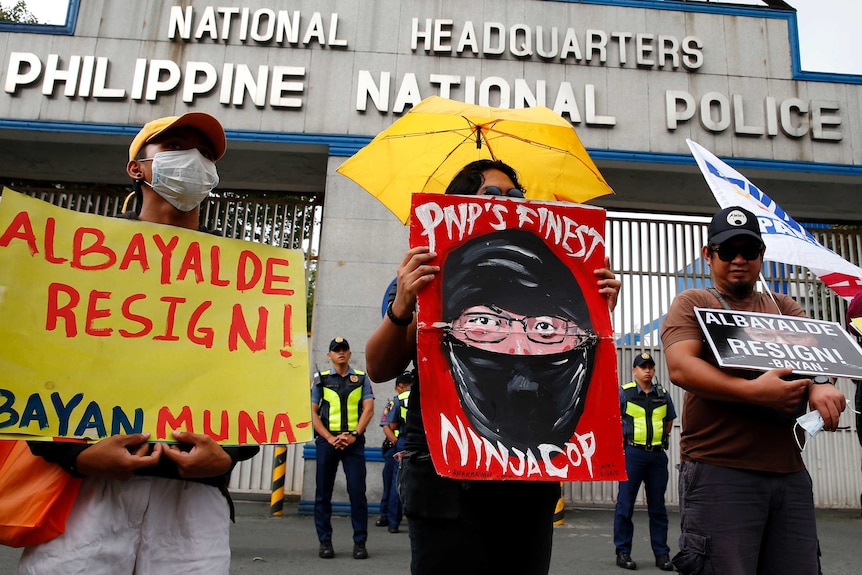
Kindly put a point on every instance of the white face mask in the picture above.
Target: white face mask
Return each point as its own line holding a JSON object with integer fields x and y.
{"x": 184, "y": 178}
{"x": 812, "y": 423}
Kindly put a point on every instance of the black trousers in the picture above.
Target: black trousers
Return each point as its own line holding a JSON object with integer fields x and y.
{"x": 475, "y": 527}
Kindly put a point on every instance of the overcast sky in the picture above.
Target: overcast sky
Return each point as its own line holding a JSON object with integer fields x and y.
{"x": 830, "y": 39}
{"x": 829, "y": 30}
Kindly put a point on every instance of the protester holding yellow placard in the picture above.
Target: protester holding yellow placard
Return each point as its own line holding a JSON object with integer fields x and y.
{"x": 151, "y": 507}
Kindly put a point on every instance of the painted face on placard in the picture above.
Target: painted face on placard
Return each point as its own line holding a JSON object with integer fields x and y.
{"x": 519, "y": 339}
{"x": 767, "y": 335}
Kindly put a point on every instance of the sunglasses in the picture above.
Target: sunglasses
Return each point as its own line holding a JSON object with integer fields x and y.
{"x": 727, "y": 252}
{"x": 512, "y": 192}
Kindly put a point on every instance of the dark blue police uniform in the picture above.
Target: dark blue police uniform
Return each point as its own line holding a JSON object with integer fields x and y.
{"x": 387, "y": 450}
{"x": 644, "y": 417}
{"x": 340, "y": 400}
{"x": 398, "y": 416}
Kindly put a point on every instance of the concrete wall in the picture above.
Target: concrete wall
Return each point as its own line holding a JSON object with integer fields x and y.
{"x": 742, "y": 51}
{"x": 747, "y": 53}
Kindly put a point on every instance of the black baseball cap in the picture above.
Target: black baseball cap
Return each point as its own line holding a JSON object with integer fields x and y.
{"x": 731, "y": 222}
{"x": 642, "y": 359}
{"x": 406, "y": 377}
{"x": 338, "y": 343}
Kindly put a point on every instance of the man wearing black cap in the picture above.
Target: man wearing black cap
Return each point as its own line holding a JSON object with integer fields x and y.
{"x": 746, "y": 503}
{"x": 342, "y": 405}
{"x": 647, "y": 414}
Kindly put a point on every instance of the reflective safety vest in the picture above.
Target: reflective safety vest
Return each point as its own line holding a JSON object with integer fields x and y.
{"x": 645, "y": 413}
{"x": 403, "y": 400}
{"x": 341, "y": 400}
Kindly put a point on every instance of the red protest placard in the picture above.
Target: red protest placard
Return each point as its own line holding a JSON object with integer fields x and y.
{"x": 516, "y": 354}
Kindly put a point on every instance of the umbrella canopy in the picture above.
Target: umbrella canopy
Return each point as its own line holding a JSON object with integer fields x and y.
{"x": 423, "y": 150}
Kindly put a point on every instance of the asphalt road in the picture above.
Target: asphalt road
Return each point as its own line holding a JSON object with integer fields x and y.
{"x": 264, "y": 545}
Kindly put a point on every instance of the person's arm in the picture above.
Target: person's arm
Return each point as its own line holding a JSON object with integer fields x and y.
{"x": 692, "y": 373}
{"x": 829, "y": 401}
{"x": 665, "y": 439}
{"x": 62, "y": 453}
{"x": 671, "y": 415}
{"x": 389, "y": 432}
{"x": 367, "y": 414}
{"x": 388, "y": 417}
{"x": 321, "y": 429}
{"x": 118, "y": 456}
{"x": 364, "y": 420}
{"x": 206, "y": 458}
{"x": 115, "y": 457}
{"x": 391, "y": 347}
{"x": 609, "y": 285}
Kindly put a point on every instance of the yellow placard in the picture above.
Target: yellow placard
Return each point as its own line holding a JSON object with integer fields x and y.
{"x": 856, "y": 322}
{"x": 111, "y": 326}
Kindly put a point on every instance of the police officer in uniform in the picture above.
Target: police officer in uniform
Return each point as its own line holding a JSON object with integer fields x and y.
{"x": 342, "y": 405}
{"x": 648, "y": 414}
{"x": 387, "y": 450}
{"x": 397, "y": 419}
{"x": 391, "y": 516}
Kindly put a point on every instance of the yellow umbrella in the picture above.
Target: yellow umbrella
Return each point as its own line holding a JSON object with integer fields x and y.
{"x": 423, "y": 150}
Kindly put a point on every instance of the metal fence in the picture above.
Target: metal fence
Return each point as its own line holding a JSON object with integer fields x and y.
{"x": 655, "y": 256}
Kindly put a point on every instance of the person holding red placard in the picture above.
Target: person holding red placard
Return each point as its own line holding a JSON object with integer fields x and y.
{"x": 478, "y": 523}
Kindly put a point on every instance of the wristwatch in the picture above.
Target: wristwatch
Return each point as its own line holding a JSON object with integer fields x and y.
{"x": 355, "y": 433}
{"x": 821, "y": 379}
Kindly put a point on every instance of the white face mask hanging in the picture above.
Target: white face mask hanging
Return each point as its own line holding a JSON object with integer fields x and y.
{"x": 812, "y": 423}
{"x": 184, "y": 178}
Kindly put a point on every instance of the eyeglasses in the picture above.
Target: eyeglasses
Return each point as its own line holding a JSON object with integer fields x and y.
{"x": 485, "y": 327}
{"x": 727, "y": 252}
{"x": 512, "y": 193}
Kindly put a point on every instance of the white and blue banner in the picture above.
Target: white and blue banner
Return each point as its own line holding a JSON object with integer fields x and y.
{"x": 786, "y": 240}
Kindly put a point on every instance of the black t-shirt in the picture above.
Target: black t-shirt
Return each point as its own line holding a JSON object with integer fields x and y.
{"x": 414, "y": 428}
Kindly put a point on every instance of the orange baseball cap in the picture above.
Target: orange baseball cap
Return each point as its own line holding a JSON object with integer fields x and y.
{"x": 206, "y": 124}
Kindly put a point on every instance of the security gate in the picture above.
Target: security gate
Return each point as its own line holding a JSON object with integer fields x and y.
{"x": 656, "y": 257}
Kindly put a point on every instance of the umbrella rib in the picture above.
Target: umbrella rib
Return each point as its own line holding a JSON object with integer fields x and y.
{"x": 480, "y": 135}
{"x": 446, "y": 158}
{"x": 426, "y": 133}
{"x": 545, "y": 146}
{"x": 470, "y": 125}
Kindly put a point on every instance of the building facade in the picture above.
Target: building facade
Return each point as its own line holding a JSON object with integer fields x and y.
{"x": 301, "y": 87}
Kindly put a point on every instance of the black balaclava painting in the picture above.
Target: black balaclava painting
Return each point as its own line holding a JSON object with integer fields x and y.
{"x": 520, "y": 400}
